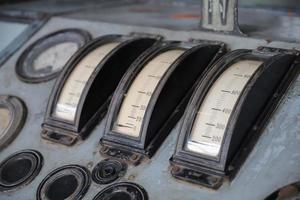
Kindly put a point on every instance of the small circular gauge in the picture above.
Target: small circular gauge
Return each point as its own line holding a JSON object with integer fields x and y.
{"x": 108, "y": 170}
{"x": 66, "y": 182}
{"x": 19, "y": 169}
{"x": 45, "y": 58}
{"x": 12, "y": 117}
{"x": 122, "y": 190}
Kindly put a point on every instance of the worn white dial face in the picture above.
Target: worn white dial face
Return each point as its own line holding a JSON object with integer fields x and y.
{"x": 5, "y": 119}
{"x": 136, "y": 100}
{"x": 69, "y": 97}
{"x": 54, "y": 58}
{"x": 213, "y": 115}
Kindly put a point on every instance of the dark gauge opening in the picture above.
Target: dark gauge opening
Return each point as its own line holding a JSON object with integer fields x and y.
{"x": 19, "y": 169}
{"x": 15, "y": 170}
{"x": 12, "y": 117}
{"x": 124, "y": 191}
{"x": 67, "y": 182}
{"x": 120, "y": 195}
{"x": 288, "y": 192}
{"x": 45, "y": 58}
{"x": 108, "y": 171}
{"x": 62, "y": 187}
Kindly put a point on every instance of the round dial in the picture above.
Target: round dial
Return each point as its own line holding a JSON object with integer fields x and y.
{"x": 71, "y": 92}
{"x": 44, "y": 59}
{"x": 213, "y": 115}
{"x": 5, "y": 118}
{"x": 134, "y": 105}
{"x": 54, "y": 56}
{"x": 12, "y": 117}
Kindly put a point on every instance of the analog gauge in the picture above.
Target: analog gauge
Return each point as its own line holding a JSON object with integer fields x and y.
{"x": 5, "y": 118}
{"x": 19, "y": 169}
{"x": 84, "y": 88}
{"x": 54, "y": 56}
{"x": 152, "y": 96}
{"x": 137, "y": 98}
{"x": 210, "y": 123}
{"x": 66, "y": 182}
{"x": 228, "y": 111}
{"x": 123, "y": 190}
{"x": 45, "y": 58}
{"x": 71, "y": 92}
{"x": 12, "y": 118}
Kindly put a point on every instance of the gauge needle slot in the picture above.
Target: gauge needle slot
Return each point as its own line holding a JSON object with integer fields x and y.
{"x": 122, "y": 125}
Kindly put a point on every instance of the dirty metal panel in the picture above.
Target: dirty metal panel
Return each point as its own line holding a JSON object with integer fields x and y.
{"x": 274, "y": 162}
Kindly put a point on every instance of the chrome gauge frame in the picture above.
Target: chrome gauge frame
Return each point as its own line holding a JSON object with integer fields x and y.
{"x": 261, "y": 96}
{"x": 25, "y": 62}
{"x": 18, "y": 114}
{"x": 92, "y": 106}
{"x": 166, "y": 104}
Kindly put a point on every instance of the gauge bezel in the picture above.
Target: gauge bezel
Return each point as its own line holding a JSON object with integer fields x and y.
{"x": 34, "y": 20}
{"x": 36, "y": 159}
{"x": 148, "y": 142}
{"x": 18, "y": 113}
{"x": 28, "y": 56}
{"x": 66, "y": 132}
{"x": 137, "y": 192}
{"x": 234, "y": 147}
{"x": 80, "y": 173}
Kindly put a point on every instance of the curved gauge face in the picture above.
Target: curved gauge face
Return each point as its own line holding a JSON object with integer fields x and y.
{"x": 5, "y": 118}
{"x": 70, "y": 94}
{"x": 137, "y": 98}
{"x": 211, "y": 120}
{"x": 54, "y": 58}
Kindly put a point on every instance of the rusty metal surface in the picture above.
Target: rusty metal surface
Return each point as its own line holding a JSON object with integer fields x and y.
{"x": 274, "y": 162}
{"x": 271, "y": 23}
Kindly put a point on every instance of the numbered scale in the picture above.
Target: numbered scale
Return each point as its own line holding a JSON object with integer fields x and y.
{"x": 12, "y": 118}
{"x": 44, "y": 59}
{"x": 152, "y": 95}
{"x": 228, "y": 111}
{"x": 82, "y": 91}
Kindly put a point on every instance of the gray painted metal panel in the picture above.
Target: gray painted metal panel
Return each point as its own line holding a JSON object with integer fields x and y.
{"x": 274, "y": 162}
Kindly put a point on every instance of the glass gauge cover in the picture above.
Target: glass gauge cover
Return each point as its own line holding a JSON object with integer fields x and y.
{"x": 227, "y": 112}
{"x": 137, "y": 98}
{"x": 152, "y": 96}
{"x": 213, "y": 115}
{"x": 12, "y": 117}
{"x": 44, "y": 59}
{"x": 84, "y": 88}
{"x": 72, "y": 90}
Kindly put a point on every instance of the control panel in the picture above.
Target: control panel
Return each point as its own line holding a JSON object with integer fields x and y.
{"x": 108, "y": 110}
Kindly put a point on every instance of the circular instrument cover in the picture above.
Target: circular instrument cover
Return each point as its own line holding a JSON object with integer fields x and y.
{"x": 67, "y": 182}
{"x": 19, "y": 169}
{"x": 45, "y": 58}
{"x": 124, "y": 191}
{"x": 12, "y": 118}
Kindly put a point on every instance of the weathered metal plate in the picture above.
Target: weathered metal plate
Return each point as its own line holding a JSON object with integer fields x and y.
{"x": 274, "y": 162}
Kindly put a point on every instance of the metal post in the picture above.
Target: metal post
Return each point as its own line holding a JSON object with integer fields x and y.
{"x": 220, "y": 15}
